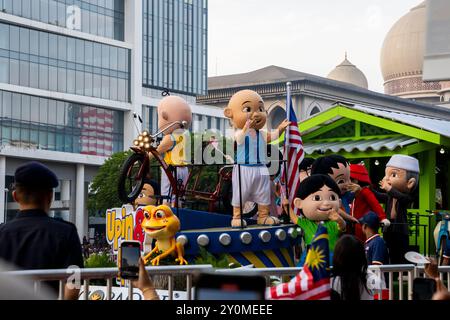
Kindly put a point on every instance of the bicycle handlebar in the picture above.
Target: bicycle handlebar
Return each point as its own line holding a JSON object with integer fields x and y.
{"x": 438, "y": 212}
{"x": 182, "y": 125}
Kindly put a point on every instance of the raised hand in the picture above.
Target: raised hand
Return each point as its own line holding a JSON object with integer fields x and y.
{"x": 282, "y": 127}
{"x": 333, "y": 215}
{"x": 353, "y": 187}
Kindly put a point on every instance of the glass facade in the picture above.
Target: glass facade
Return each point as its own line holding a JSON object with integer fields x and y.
{"x": 54, "y": 62}
{"x": 46, "y": 124}
{"x": 103, "y": 18}
{"x": 175, "y": 45}
{"x": 200, "y": 123}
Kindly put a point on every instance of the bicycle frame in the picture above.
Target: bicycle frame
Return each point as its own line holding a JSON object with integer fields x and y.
{"x": 443, "y": 230}
{"x": 145, "y": 167}
{"x": 210, "y": 197}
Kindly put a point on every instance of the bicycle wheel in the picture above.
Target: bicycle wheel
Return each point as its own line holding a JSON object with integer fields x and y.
{"x": 129, "y": 185}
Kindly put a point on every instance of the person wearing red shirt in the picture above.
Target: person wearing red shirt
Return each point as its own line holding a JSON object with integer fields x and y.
{"x": 365, "y": 200}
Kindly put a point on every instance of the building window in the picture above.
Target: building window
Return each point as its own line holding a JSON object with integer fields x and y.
{"x": 314, "y": 110}
{"x": 47, "y": 124}
{"x": 107, "y": 15}
{"x": 175, "y": 45}
{"x": 276, "y": 117}
{"x": 150, "y": 118}
{"x": 64, "y": 64}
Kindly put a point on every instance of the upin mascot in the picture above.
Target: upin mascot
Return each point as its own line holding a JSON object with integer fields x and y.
{"x": 400, "y": 181}
{"x": 248, "y": 117}
{"x": 318, "y": 200}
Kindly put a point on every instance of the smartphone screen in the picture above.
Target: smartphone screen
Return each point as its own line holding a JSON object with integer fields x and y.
{"x": 423, "y": 289}
{"x": 223, "y": 287}
{"x": 130, "y": 253}
{"x": 223, "y": 294}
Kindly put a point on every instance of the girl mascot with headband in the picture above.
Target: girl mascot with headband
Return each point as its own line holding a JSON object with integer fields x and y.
{"x": 318, "y": 198}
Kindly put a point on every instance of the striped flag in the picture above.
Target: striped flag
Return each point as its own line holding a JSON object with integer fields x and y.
{"x": 313, "y": 282}
{"x": 293, "y": 153}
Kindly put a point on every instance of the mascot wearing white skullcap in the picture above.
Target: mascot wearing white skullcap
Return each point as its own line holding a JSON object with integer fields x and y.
{"x": 400, "y": 181}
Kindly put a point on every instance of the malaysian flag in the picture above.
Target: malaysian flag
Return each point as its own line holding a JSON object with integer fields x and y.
{"x": 313, "y": 282}
{"x": 293, "y": 153}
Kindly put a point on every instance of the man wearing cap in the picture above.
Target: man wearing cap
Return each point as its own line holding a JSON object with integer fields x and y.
{"x": 376, "y": 251}
{"x": 33, "y": 240}
{"x": 400, "y": 181}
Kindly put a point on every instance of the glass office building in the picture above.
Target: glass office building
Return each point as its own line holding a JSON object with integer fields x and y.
{"x": 73, "y": 73}
{"x": 48, "y": 61}
{"x": 104, "y": 18}
{"x": 175, "y": 45}
{"x": 46, "y": 124}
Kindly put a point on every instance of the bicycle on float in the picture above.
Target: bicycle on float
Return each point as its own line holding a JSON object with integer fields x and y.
{"x": 137, "y": 167}
{"x": 441, "y": 233}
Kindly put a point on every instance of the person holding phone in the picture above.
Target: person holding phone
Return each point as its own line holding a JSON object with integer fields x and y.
{"x": 432, "y": 271}
{"x": 145, "y": 284}
{"x": 132, "y": 267}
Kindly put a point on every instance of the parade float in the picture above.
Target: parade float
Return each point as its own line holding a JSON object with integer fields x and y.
{"x": 251, "y": 243}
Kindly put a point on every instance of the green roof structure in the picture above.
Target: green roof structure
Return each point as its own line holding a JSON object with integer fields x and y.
{"x": 373, "y": 135}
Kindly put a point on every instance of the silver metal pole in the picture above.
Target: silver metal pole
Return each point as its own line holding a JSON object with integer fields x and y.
{"x": 189, "y": 287}
{"x": 61, "y": 290}
{"x": 109, "y": 288}
{"x": 410, "y": 285}
{"x": 391, "y": 286}
{"x": 86, "y": 289}
{"x": 170, "y": 287}
{"x": 380, "y": 291}
{"x": 130, "y": 290}
{"x": 37, "y": 285}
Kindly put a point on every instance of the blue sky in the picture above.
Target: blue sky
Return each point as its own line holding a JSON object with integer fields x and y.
{"x": 306, "y": 35}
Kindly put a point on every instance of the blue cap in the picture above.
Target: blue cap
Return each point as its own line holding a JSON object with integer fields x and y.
{"x": 371, "y": 220}
{"x": 35, "y": 175}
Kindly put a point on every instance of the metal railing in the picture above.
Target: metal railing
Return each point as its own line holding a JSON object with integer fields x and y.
{"x": 403, "y": 274}
{"x": 109, "y": 274}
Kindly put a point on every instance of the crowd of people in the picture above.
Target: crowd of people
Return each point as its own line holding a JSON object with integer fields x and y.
{"x": 98, "y": 245}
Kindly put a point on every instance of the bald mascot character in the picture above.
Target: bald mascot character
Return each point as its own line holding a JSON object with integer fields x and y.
{"x": 173, "y": 145}
{"x": 248, "y": 116}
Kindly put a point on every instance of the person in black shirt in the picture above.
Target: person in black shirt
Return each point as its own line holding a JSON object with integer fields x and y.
{"x": 33, "y": 240}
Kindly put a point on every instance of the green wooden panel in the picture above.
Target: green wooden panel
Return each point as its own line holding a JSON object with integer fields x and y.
{"x": 370, "y": 130}
{"x": 346, "y": 130}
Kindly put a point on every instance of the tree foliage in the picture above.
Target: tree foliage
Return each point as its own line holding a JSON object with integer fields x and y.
{"x": 103, "y": 194}
{"x": 99, "y": 260}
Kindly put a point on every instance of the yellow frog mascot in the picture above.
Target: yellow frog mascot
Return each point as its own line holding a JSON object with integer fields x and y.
{"x": 161, "y": 224}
